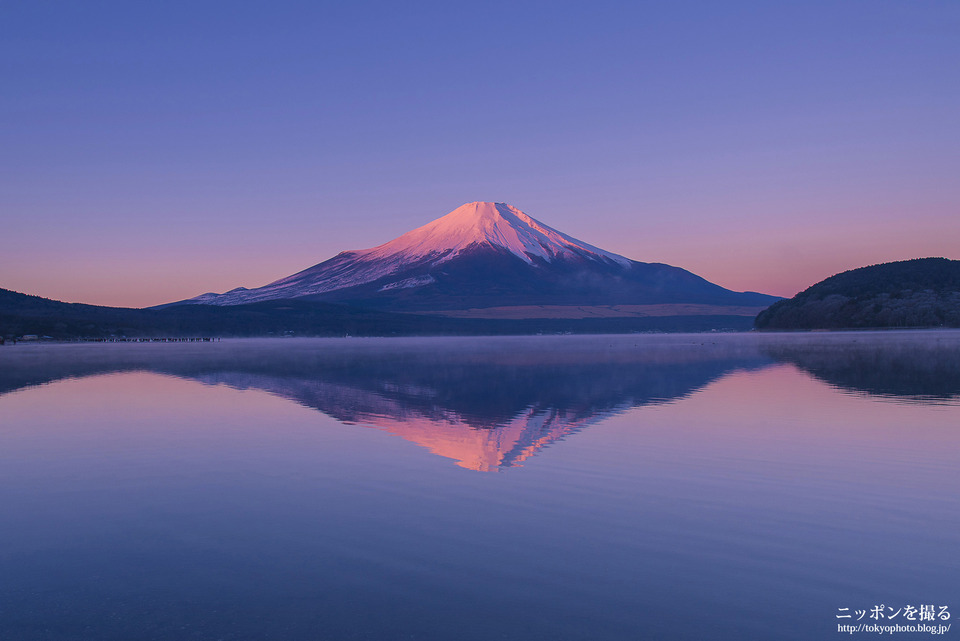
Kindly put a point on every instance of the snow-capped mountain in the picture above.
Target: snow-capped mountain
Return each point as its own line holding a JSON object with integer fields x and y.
{"x": 485, "y": 255}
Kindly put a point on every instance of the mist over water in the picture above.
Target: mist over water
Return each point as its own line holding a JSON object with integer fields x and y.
{"x": 609, "y": 487}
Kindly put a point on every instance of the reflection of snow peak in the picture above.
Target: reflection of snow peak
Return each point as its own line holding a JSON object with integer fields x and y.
{"x": 483, "y": 449}
{"x": 472, "y": 444}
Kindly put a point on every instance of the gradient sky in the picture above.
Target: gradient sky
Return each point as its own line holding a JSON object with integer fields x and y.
{"x": 150, "y": 152}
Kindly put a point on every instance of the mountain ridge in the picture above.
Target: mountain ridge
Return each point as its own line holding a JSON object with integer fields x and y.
{"x": 483, "y": 255}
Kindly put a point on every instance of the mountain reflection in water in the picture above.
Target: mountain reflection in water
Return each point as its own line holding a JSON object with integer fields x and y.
{"x": 487, "y": 404}
{"x": 492, "y": 403}
{"x": 906, "y": 366}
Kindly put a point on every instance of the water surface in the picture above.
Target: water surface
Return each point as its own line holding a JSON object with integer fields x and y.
{"x": 664, "y": 487}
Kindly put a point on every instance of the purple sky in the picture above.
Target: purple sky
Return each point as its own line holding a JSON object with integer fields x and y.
{"x": 155, "y": 151}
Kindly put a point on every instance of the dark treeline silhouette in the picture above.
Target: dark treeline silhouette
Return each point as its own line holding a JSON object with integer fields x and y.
{"x": 22, "y": 314}
{"x": 913, "y": 293}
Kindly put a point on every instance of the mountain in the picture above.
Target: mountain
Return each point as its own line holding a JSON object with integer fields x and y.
{"x": 491, "y": 256}
{"x": 924, "y": 292}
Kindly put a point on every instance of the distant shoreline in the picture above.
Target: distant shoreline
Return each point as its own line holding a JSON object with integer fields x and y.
{"x": 466, "y": 338}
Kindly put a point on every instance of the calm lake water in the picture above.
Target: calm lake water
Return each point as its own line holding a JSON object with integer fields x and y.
{"x": 537, "y": 488}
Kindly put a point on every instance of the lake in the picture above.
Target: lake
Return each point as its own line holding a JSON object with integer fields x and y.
{"x": 700, "y": 486}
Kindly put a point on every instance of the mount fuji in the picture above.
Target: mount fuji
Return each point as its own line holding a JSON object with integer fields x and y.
{"x": 492, "y": 256}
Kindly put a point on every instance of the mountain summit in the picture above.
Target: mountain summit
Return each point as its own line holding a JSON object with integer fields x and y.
{"x": 491, "y": 224}
{"x": 488, "y": 255}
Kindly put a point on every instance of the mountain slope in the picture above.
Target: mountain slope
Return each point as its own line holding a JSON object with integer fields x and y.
{"x": 487, "y": 255}
{"x": 924, "y": 292}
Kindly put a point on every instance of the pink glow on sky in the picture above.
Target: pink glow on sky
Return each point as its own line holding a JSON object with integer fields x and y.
{"x": 772, "y": 256}
{"x": 779, "y": 259}
{"x": 154, "y": 154}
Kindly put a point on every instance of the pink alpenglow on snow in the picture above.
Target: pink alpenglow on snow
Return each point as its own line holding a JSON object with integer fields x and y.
{"x": 476, "y": 224}
{"x": 496, "y": 224}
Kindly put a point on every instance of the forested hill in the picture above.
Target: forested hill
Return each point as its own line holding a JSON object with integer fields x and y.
{"x": 24, "y": 314}
{"x": 21, "y": 314}
{"x": 924, "y": 292}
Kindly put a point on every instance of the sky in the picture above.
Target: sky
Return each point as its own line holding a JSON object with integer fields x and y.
{"x": 150, "y": 152}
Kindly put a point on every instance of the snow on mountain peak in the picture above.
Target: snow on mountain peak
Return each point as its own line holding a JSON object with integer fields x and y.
{"x": 471, "y": 225}
{"x": 480, "y": 223}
